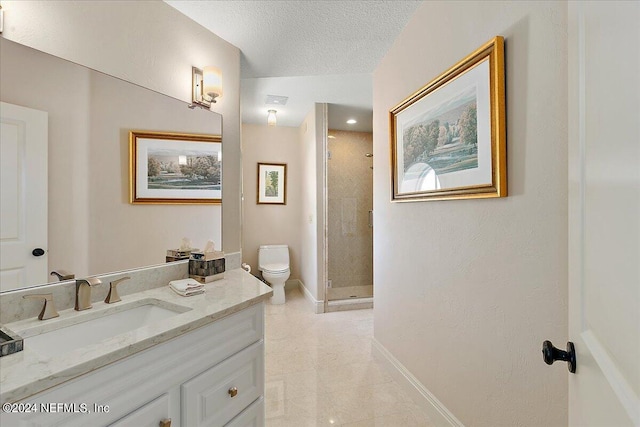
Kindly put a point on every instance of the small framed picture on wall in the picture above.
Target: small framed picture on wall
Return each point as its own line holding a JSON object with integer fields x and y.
{"x": 272, "y": 184}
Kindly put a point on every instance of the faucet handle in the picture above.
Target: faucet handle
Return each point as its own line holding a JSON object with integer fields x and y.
{"x": 48, "y": 309}
{"x": 63, "y": 274}
{"x": 113, "y": 296}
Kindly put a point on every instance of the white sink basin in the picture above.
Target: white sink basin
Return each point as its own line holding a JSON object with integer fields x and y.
{"x": 92, "y": 327}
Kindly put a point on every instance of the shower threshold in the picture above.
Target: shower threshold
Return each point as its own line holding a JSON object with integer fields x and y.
{"x": 350, "y": 298}
{"x": 350, "y": 304}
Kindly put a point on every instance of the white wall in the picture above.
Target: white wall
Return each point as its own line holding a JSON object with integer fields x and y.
{"x": 467, "y": 291}
{"x": 272, "y": 224}
{"x": 148, "y": 43}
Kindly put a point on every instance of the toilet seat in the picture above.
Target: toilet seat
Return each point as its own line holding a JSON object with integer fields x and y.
{"x": 275, "y": 268}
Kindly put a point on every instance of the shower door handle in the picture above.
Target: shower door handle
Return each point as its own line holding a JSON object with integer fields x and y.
{"x": 370, "y": 219}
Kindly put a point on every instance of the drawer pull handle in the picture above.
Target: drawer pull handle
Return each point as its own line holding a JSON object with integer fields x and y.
{"x": 233, "y": 391}
{"x": 165, "y": 422}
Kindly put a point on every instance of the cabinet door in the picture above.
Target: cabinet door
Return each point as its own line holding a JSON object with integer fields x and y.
{"x": 149, "y": 415}
{"x": 218, "y": 394}
{"x": 253, "y": 416}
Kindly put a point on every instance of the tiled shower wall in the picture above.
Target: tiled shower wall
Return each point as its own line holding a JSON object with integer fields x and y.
{"x": 350, "y": 197}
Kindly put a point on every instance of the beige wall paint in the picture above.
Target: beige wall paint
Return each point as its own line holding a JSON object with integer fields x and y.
{"x": 150, "y": 44}
{"x": 466, "y": 291}
{"x": 272, "y": 224}
{"x": 93, "y": 228}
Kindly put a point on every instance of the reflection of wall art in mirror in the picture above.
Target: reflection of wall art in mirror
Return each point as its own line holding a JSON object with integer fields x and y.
{"x": 448, "y": 140}
{"x": 272, "y": 183}
{"x": 174, "y": 168}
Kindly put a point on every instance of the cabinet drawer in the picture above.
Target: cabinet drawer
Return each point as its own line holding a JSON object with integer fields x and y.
{"x": 148, "y": 415}
{"x": 207, "y": 399}
{"x": 253, "y": 416}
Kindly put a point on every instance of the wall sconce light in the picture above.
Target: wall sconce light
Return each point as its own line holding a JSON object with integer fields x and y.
{"x": 271, "y": 117}
{"x": 206, "y": 86}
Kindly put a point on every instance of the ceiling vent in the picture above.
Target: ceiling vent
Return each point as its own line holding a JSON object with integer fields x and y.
{"x": 276, "y": 100}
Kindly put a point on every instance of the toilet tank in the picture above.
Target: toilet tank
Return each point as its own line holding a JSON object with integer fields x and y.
{"x": 273, "y": 254}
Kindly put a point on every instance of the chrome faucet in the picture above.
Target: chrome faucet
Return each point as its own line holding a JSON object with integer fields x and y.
{"x": 83, "y": 292}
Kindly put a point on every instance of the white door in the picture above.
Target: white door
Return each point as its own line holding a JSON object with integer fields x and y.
{"x": 604, "y": 212}
{"x": 23, "y": 196}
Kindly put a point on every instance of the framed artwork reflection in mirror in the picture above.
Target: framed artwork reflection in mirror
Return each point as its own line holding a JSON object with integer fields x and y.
{"x": 174, "y": 168}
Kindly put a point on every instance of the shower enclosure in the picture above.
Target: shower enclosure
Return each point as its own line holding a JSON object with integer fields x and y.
{"x": 349, "y": 220}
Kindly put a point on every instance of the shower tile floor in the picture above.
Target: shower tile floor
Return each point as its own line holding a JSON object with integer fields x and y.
{"x": 320, "y": 371}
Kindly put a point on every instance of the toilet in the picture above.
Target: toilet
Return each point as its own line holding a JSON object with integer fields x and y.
{"x": 273, "y": 262}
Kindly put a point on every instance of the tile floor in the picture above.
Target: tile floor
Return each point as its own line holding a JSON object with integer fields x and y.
{"x": 320, "y": 371}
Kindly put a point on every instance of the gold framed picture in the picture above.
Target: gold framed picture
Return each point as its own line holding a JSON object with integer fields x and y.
{"x": 272, "y": 184}
{"x": 174, "y": 168}
{"x": 448, "y": 140}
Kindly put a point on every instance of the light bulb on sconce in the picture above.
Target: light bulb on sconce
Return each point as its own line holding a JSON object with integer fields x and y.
{"x": 212, "y": 82}
{"x": 271, "y": 117}
{"x": 206, "y": 86}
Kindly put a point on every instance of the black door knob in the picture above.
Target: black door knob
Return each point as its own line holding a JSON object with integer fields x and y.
{"x": 550, "y": 354}
{"x": 37, "y": 252}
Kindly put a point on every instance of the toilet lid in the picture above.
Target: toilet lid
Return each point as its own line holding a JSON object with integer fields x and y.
{"x": 275, "y": 268}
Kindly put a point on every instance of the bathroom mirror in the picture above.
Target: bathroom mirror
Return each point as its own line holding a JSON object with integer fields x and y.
{"x": 92, "y": 227}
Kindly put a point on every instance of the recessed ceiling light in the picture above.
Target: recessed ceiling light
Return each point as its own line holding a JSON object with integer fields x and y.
{"x": 331, "y": 137}
{"x": 352, "y": 121}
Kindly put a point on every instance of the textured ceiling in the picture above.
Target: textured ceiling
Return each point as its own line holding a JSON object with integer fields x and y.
{"x": 284, "y": 39}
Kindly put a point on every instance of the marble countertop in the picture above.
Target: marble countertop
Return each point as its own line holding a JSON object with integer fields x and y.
{"x": 26, "y": 373}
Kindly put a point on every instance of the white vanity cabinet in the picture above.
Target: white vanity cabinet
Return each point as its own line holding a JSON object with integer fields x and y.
{"x": 211, "y": 376}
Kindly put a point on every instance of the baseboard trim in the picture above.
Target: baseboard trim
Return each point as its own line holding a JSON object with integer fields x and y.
{"x": 318, "y": 306}
{"x": 438, "y": 413}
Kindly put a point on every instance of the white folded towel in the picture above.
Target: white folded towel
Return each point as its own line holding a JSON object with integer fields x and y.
{"x": 186, "y": 287}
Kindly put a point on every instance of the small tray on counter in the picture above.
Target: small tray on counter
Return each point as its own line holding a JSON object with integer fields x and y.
{"x": 10, "y": 342}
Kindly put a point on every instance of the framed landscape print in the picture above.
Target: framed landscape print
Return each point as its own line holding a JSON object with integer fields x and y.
{"x": 448, "y": 140}
{"x": 174, "y": 168}
{"x": 272, "y": 183}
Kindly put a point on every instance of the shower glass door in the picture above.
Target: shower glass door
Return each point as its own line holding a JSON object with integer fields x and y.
{"x": 350, "y": 228}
